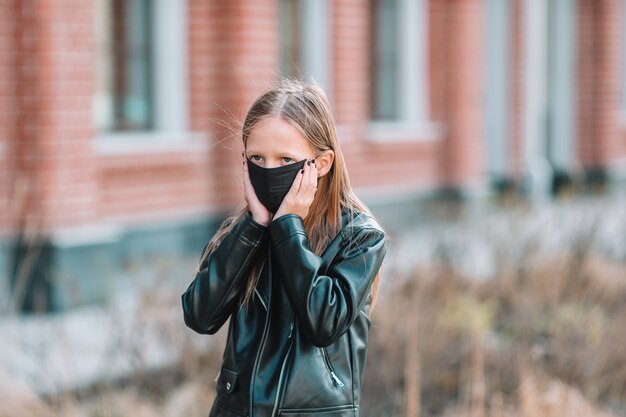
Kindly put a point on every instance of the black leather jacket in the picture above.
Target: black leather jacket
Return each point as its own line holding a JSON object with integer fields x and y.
{"x": 299, "y": 347}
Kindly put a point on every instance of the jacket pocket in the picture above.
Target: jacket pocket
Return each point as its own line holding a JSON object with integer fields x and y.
{"x": 309, "y": 378}
{"x": 227, "y": 382}
{"x": 331, "y": 370}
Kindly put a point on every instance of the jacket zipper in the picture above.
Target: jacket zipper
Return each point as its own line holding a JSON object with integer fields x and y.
{"x": 333, "y": 375}
{"x": 282, "y": 370}
{"x": 261, "y": 299}
{"x": 255, "y": 366}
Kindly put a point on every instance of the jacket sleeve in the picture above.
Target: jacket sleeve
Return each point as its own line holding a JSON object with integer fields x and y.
{"x": 325, "y": 304}
{"x": 222, "y": 276}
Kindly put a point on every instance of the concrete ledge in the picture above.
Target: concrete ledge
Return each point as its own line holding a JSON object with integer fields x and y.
{"x": 93, "y": 265}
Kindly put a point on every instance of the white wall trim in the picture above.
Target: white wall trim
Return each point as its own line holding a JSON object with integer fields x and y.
{"x": 537, "y": 165}
{"x": 389, "y": 194}
{"x": 617, "y": 170}
{"x": 412, "y": 71}
{"x": 150, "y": 142}
{"x": 498, "y": 38}
{"x": 80, "y": 236}
{"x": 392, "y": 131}
{"x": 170, "y": 65}
{"x": 316, "y": 36}
{"x": 413, "y": 92}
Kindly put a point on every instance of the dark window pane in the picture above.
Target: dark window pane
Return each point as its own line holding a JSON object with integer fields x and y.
{"x": 384, "y": 60}
{"x": 127, "y": 65}
{"x": 290, "y": 38}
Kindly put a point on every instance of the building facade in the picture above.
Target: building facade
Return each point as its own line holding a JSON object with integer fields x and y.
{"x": 119, "y": 118}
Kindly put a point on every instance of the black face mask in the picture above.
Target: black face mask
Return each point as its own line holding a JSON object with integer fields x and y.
{"x": 271, "y": 185}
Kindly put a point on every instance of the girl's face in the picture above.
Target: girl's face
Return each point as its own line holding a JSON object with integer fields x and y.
{"x": 273, "y": 142}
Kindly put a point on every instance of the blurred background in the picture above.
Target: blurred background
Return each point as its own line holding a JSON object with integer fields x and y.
{"x": 488, "y": 136}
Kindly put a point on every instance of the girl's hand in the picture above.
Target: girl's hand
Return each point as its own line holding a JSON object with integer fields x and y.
{"x": 259, "y": 212}
{"x": 301, "y": 194}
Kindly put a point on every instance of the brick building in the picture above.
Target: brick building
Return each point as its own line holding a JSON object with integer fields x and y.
{"x": 118, "y": 118}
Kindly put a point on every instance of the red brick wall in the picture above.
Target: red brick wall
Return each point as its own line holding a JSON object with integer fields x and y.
{"x": 438, "y": 70}
{"x": 154, "y": 183}
{"x": 7, "y": 108}
{"x": 463, "y": 156}
{"x": 47, "y": 138}
{"x": 233, "y": 57}
{"x": 516, "y": 87}
{"x": 65, "y": 131}
{"x": 45, "y": 115}
{"x": 351, "y": 63}
{"x": 600, "y": 43}
{"x": 23, "y": 121}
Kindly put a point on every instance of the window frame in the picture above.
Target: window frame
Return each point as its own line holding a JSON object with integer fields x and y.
{"x": 169, "y": 84}
{"x": 413, "y": 121}
{"x": 314, "y": 39}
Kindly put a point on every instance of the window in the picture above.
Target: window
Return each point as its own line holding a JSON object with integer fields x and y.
{"x": 304, "y": 37}
{"x": 141, "y": 67}
{"x": 125, "y": 66}
{"x": 290, "y": 38}
{"x": 398, "y": 61}
{"x": 384, "y": 60}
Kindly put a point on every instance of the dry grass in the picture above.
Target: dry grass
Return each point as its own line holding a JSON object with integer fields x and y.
{"x": 479, "y": 346}
{"x": 544, "y": 337}
{"x": 544, "y": 340}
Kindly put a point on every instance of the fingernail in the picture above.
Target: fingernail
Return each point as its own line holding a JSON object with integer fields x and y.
{"x": 302, "y": 172}
{"x": 308, "y": 162}
{"x": 313, "y": 160}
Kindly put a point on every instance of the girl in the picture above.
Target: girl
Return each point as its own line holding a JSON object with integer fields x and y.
{"x": 296, "y": 270}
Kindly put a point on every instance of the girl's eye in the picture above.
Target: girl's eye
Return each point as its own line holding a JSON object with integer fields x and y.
{"x": 255, "y": 158}
{"x": 286, "y": 159}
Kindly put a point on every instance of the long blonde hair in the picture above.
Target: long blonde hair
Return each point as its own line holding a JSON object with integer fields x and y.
{"x": 306, "y": 107}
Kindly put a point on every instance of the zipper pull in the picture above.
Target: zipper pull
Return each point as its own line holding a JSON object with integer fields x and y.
{"x": 336, "y": 379}
{"x": 290, "y": 331}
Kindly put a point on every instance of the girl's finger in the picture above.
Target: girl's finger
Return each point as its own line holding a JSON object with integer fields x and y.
{"x": 313, "y": 176}
{"x": 297, "y": 184}
{"x": 308, "y": 185}
{"x": 311, "y": 183}
{"x": 245, "y": 169}
{"x": 246, "y": 178}
{"x": 247, "y": 184}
